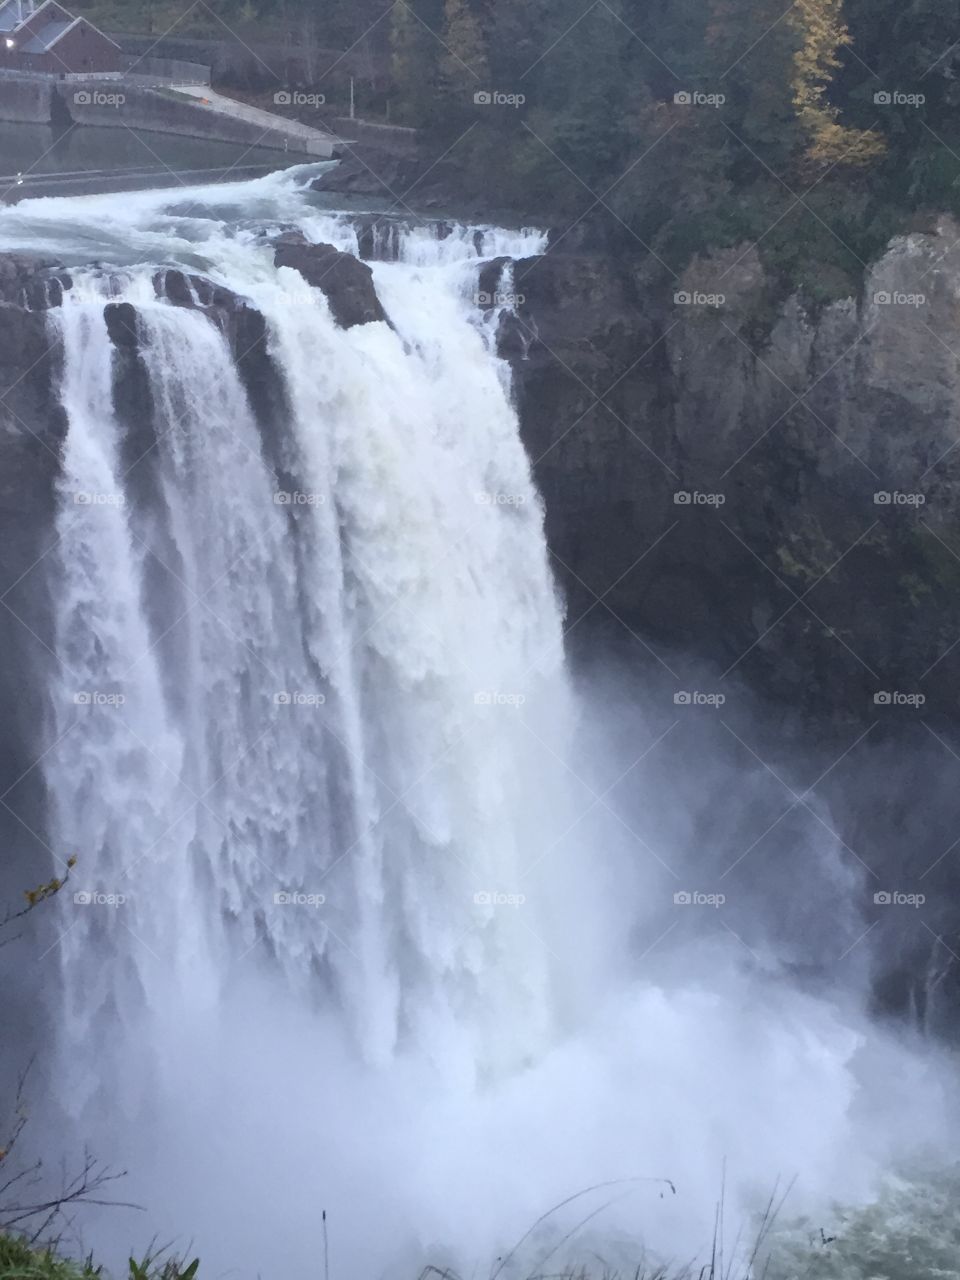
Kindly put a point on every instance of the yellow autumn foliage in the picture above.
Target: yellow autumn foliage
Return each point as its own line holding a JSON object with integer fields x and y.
{"x": 822, "y": 34}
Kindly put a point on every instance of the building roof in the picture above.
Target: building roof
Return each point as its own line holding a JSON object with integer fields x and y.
{"x": 47, "y": 37}
{"x": 13, "y": 13}
{"x": 9, "y": 15}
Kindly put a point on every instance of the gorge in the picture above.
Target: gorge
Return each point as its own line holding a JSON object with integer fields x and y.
{"x": 406, "y": 627}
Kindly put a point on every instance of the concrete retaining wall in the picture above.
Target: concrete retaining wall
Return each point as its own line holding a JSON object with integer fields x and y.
{"x": 152, "y": 109}
{"x": 25, "y": 101}
{"x": 117, "y": 104}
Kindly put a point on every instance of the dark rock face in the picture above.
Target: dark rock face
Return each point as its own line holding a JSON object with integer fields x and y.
{"x": 121, "y": 320}
{"x": 379, "y": 235}
{"x": 32, "y": 430}
{"x": 782, "y": 499}
{"x": 195, "y": 292}
{"x": 246, "y": 332}
{"x": 414, "y": 180}
{"x": 382, "y": 172}
{"x": 32, "y": 283}
{"x": 769, "y": 495}
{"x": 347, "y": 282}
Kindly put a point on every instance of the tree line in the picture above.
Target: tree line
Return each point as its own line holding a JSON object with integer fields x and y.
{"x": 817, "y": 130}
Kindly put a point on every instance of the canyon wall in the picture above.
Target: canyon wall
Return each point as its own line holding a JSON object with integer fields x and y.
{"x": 773, "y": 489}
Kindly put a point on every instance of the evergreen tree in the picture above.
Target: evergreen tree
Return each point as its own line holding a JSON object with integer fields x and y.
{"x": 413, "y": 50}
{"x": 580, "y": 92}
{"x": 464, "y": 68}
{"x": 749, "y": 51}
{"x": 515, "y": 34}
{"x": 464, "y": 72}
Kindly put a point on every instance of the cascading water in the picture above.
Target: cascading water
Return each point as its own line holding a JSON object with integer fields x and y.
{"x": 337, "y": 719}
{"x": 350, "y": 935}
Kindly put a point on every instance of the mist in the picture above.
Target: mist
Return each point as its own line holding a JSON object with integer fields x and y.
{"x": 702, "y": 1050}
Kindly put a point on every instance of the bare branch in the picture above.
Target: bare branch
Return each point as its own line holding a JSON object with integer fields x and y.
{"x": 34, "y": 898}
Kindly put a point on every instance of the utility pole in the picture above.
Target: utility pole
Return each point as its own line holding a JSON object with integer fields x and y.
{"x": 353, "y": 113}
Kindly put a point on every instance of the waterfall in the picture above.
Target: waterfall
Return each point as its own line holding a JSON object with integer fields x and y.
{"x": 374, "y": 912}
{"x": 329, "y": 701}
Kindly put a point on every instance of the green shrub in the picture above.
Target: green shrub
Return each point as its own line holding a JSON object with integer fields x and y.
{"x": 22, "y": 1260}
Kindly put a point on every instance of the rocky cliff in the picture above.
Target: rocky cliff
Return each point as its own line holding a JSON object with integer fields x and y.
{"x": 773, "y": 489}
{"x": 31, "y": 433}
{"x": 757, "y": 500}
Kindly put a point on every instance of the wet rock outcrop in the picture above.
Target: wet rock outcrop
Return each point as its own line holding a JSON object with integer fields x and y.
{"x": 409, "y": 179}
{"x": 193, "y": 291}
{"x": 244, "y": 328}
{"x": 346, "y": 281}
{"x": 31, "y": 282}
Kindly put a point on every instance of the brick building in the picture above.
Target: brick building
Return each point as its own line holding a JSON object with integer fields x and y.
{"x": 46, "y": 38}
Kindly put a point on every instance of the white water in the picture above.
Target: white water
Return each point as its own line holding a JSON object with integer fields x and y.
{"x": 349, "y": 687}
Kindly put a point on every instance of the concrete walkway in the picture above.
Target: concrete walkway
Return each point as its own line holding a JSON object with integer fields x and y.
{"x": 302, "y": 138}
